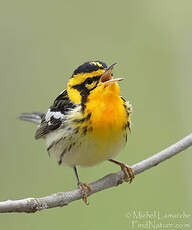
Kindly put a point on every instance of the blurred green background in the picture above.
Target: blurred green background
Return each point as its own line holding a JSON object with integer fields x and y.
{"x": 41, "y": 43}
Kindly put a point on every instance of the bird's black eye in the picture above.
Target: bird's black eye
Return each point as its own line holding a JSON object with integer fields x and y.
{"x": 89, "y": 80}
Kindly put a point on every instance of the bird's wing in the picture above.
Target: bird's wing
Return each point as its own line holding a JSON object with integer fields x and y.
{"x": 55, "y": 115}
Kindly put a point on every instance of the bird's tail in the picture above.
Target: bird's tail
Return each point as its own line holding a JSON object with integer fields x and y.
{"x": 35, "y": 117}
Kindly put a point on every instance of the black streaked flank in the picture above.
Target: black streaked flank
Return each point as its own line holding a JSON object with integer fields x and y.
{"x": 127, "y": 125}
{"x": 84, "y": 130}
{"x": 126, "y": 109}
{"x": 55, "y": 143}
{"x": 69, "y": 148}
{"x": 83, "y": 119}
{"x": 76, "y": 130}
{"x": 61, "y": 156}
{"x": 126, "y": 137}
{"x": 89, "y": 67}
{"x": 90, "y": 129}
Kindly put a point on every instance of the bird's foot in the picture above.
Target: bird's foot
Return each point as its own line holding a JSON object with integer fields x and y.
{"x": 84, "y": 188}
{"x": 128, "y": 171}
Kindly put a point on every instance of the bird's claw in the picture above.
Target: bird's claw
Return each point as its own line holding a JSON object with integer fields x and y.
{"x": 84, "y": 188}
{"x": 128, "y": 172}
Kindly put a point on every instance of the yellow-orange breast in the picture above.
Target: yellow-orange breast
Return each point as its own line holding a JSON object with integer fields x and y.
{"x": 108, "y": 114}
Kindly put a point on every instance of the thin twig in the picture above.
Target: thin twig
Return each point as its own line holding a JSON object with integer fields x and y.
{"x": 31, "y": 205}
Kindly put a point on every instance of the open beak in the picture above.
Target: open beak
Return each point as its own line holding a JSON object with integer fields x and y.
{"x": 107, "y": 76}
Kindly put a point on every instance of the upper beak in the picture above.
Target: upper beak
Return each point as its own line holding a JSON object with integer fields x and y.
{"x": 107, "y": 76}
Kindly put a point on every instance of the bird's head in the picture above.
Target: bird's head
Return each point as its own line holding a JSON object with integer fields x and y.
{"x": 87, "y": 78}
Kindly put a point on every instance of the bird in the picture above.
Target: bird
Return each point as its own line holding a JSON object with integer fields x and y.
{"x": 87, "y": 123}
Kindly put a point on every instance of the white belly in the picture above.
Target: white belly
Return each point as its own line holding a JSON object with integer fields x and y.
{"x": 85, "y": 151}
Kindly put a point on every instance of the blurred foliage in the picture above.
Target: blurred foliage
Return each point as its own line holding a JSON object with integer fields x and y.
{"x": 41, "y": 43}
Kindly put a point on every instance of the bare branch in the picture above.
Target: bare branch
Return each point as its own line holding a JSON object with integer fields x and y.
{"x": 31, "y": 205}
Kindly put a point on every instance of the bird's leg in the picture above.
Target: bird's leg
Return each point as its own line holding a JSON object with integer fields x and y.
{"x": 82, "y": 186}
{"x": 128, "y": 172}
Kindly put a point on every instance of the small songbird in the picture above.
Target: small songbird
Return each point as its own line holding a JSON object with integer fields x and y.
{"x": 88, "y": 122}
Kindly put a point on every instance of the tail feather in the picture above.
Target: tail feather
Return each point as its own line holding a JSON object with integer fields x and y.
{"x": 35, "y": 117}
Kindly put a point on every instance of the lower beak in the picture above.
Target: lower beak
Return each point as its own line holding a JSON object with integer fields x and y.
{"x": 114, "y": 80}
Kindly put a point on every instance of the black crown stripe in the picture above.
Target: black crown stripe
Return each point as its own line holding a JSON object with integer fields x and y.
{"x": 89, "y": 67}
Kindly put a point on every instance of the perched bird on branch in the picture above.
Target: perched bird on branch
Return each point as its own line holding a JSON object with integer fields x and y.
{"x": 88, "y": 122}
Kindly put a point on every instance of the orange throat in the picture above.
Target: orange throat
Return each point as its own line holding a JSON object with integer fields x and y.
{"x": 106, "y": 108}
